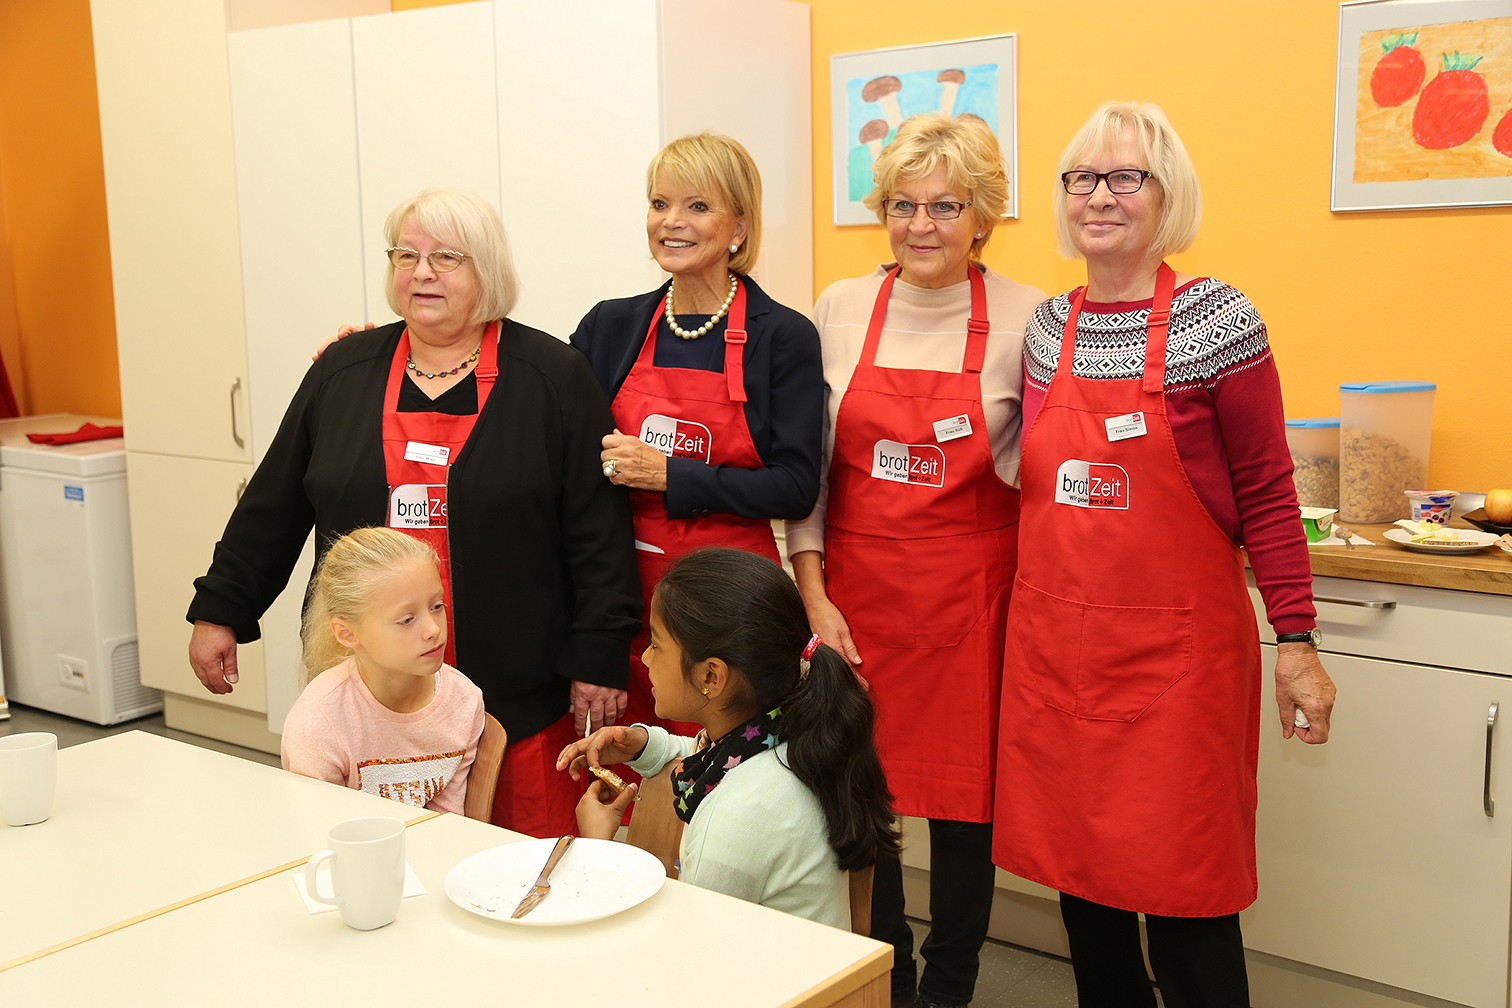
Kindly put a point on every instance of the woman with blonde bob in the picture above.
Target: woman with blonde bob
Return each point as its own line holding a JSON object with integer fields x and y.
{"x": 905, "y": 564}
{"x": 1153, "y": 452}
{"x": 716, "y": 389}
{"x": 479, "y": 436}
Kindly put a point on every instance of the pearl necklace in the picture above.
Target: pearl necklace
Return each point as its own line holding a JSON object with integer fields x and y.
{"x": 695, "y": 333}
{"x": 410, "y": 363}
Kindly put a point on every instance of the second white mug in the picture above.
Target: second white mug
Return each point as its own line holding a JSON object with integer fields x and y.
{"x": 28, "y": 777}
{"x": 367, "y": 871}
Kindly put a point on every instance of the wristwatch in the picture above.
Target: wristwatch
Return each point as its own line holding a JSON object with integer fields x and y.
{"x": 1313, "y": 637}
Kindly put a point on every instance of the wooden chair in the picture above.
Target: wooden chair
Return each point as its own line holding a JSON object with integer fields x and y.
{"x": 655, "y": 828}
{"x": 483, "y": 780}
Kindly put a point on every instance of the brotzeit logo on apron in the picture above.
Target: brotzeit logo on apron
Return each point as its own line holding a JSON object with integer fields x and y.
{"x": 677, "y": 438}
{"x": 1092, "y": 485}
{"x": 908, "y": 463}
{"x": 417, "y": 505}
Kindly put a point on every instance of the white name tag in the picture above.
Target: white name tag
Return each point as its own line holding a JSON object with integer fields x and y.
{"x": 952, "y": 428}
{"x": 1126, "y": 426}
{"x": 419, "y": 451}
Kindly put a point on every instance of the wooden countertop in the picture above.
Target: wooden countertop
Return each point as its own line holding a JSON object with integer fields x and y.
{"x": 1488, "y": 570}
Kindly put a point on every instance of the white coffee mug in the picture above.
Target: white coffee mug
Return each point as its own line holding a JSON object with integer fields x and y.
{"x": 28, "y": 777}
{"x": 367, "y": 871}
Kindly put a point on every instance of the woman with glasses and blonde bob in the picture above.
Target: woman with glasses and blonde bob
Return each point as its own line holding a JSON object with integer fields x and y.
{"x": 716, "y": 389}
{"x": 480, "y": 436}
{"x": 906, "y": 562}
{"x": 1153, "y": 451}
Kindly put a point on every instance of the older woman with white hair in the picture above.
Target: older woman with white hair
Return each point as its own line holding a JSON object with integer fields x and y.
{"x": 905, "y": 565}
{"x": 461, "y": 427}
{"x": 1154, "y": 450}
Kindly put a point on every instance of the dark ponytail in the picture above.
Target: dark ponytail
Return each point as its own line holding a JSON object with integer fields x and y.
{"x": 746, "y": 611}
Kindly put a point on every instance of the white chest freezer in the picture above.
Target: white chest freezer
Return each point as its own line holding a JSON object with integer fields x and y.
{"x": 67, "y": 608}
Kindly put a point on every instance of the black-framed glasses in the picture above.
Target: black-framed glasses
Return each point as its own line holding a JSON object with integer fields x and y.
{"x": 1121, "y": 181}
{"x": 441, "y": 260}
{"x": 937, "y": 209}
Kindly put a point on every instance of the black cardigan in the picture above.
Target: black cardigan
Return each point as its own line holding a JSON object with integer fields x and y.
{"x": 784, "y": 380}
{"x": 544, "y": 582}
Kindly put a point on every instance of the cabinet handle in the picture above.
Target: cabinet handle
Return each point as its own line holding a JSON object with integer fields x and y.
{"x": 234, "y": 435}
{"x": 1486, "y": 802}
{"x": 241, "y": 488}
{"x": 1362, "y": 603}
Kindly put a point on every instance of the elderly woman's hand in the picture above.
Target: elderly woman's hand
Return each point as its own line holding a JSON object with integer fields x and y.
{"x": 629, "y": 461}
{"x": 595, "y": 706}
{"x": 1302, "y": 684}
{"x": 212, "y": 653}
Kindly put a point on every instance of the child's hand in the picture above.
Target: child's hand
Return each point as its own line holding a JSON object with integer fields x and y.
{"x": 615, "y": 744}
{"x": 599, "y": 814}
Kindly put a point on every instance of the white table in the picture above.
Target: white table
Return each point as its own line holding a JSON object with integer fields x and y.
{"x": 254, "y": 943}
{"x": 142, "y": 822}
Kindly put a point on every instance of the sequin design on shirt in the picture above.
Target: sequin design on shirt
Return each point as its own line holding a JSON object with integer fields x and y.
{"x": 413, "y": 780}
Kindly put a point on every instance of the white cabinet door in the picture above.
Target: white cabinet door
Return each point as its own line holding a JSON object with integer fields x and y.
{"x": 1377, "y": 857}
{"x": 170, "y": 191}
{"x": 178, "y": 508}
{"x": 297, "y": 186}
{"x": 427, "y": 118}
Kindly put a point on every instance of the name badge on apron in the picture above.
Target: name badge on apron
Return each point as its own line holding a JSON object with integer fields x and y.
{"x": 419, "y": 451}
{"x": 1126, "y": 426}
{"x": 417, "y": 505}
{"x": 677, "y": 438}
{"x": 908, "y": 463}
{"x": 954, "y": 427}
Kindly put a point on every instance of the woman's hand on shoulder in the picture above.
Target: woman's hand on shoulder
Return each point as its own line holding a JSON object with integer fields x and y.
{"x": 617, "y": 744}
{"x": 341, "y": 334}
{"x": 1303, "y": 685}
{"x": 630, "y": 462}
{"x": 599, "y": 812}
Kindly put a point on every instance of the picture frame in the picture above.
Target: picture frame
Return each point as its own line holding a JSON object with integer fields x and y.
{"x": 872, "y": 91}
{"x": 1423, "y": 105}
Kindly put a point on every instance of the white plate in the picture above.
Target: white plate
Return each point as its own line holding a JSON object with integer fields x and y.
{"x": 596, "y": 878}
{"x": 1468, "y": 542}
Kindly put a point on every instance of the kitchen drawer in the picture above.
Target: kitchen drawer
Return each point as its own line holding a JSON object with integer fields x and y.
{"x": 1426, "y": 626}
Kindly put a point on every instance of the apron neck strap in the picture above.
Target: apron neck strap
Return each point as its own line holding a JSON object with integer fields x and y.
{"x": 977, "y": 325}
{"x": 735, "y": 340}
{"x": 485, "y": 372}
{"x": 1157, "y": 326}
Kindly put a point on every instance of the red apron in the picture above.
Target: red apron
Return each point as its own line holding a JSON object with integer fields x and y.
{"x": 418, "y": 450}
{"x": 1130, "y": 718}
{"x": 920, "y": 542}
{"x": 686, "y": 413}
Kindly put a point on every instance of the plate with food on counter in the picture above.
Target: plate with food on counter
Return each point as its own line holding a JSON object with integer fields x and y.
{"x": 1431, "y": 537}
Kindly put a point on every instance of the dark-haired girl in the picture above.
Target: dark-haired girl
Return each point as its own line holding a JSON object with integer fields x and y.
{"x": 782, "y": 791}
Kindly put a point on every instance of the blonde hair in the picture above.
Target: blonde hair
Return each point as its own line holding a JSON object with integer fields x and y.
{"x": 969, "y": 152}
{"x": 721, "y": 167}
{"x": 1165, "y": 157}
{"x": 343, "y": 587}
{"x": 468, "y": 223}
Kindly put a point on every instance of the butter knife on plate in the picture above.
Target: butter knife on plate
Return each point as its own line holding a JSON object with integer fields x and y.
{"x": 542, "y": 885}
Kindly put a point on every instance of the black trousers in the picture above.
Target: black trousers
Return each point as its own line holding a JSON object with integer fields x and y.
{"x": 960, "y": 903}
{"x": 1198, "y": 961}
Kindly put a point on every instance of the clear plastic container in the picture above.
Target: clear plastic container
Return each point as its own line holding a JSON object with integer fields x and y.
{"x": 1314, "y": 447}
{"x": 1384, "y": 432}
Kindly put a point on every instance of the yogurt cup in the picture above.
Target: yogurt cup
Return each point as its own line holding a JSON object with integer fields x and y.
{"x": 1431, "y": 505}
{"x": 1317, "y": 523}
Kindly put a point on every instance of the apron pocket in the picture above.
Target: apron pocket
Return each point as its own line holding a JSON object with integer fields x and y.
{"x": 1106, "y": 663}
{"x": 912, "y": 593}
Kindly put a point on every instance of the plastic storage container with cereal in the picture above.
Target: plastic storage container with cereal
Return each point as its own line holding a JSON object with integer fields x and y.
{"x": 1384, "y": 432}
{"x": 1314, "y": 448}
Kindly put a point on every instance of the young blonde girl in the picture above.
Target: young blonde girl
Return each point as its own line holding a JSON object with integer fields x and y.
{"x": 382, "y": 712}
{"x": 782, "y": 791}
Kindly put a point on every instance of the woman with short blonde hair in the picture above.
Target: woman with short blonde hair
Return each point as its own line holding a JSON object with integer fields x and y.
{"x": 907, "y": 561}
{"x": 1153, "y": 452}
{"x": 716, "y": 388}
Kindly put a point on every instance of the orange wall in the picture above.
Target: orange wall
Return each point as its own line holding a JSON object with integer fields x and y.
{"x": 1346, "y": 297}
{"x": 53, "y": 187}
